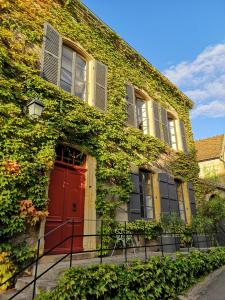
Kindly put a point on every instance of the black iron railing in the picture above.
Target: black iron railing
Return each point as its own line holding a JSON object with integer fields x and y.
{"x": 166, "y": 243}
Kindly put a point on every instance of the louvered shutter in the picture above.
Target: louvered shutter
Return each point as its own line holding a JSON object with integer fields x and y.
{"x": 174, "y": 204}
{"x": 183, "y": 136}
{"x": 192, "y": 198}
{"x": 131, "y": 109}
{"x": 164, "y": 193}
{"x": 101, "y": 71}
{"x": 156, "y": 119}
{"x": 168, "y": 194}
{"x": 165, "y": 126}
{"x": 134, "y": 205}
{"x": 51, "y": 54}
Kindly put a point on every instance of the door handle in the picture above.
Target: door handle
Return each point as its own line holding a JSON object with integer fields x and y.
{"x": 74, "y": 207}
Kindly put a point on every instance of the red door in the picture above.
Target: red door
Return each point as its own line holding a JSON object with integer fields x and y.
{"x": 66, "y": 202}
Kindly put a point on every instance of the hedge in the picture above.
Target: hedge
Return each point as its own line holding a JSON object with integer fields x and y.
{"x": 157, "y": 278}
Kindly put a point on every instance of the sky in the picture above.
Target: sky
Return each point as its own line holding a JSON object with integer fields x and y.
{"x": 185, "y": 40}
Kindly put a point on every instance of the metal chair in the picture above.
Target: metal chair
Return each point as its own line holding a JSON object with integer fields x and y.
{"x": 120, "y": 238}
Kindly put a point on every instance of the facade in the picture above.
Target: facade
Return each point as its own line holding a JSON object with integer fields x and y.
{"x": 114, "y": 139}
{"x": 211, "y": 157}
{"x": 211, "y": 160}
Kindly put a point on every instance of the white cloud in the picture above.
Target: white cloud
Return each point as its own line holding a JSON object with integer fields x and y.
{"x": 214, "y": 109}
{"x": 203, "y": 80}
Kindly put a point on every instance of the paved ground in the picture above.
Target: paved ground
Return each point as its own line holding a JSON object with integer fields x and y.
{"x": 211, "y": 288}
{"x": 215, "y": 290}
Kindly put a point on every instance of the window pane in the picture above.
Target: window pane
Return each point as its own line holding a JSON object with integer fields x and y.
{"x": 172, "y": 131}
{"x": 80, "y": 77}
{"x": 180, "y": 197}
{"x": 142, "y": 115}
{"x": 139, "y": 104}
{"x": 149, "y": 213}
{"x": 81, "y": 62}
{"x": 66, "y": 69}
{"x": 146, "y": 194}
{"x": 80, "y": 73}
{"x": 65, "y": 86}
{"x": 80, "y": 87}
{"x": 66, "y": 76}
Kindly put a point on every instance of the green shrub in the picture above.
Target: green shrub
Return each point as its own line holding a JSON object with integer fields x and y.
{"x": 158, "y": 278}
{"x": 12, "y": 259}
{"x": 150, "y": 230}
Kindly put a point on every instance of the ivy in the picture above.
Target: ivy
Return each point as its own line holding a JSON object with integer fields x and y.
{"x": 31, "y": 145}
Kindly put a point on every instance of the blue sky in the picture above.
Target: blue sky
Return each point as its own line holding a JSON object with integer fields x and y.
{"x": 185, "y": 40}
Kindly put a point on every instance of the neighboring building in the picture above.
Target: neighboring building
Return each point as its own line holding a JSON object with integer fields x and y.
{"x": 107, "y": 113}
{"x": 210, "y": 153}
{"x": 211, "y": 158}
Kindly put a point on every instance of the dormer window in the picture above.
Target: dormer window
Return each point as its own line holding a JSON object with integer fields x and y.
{"x": 73, "y": 72}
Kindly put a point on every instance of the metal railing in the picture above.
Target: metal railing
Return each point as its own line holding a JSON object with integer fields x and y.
{"x": 168, "y": 242}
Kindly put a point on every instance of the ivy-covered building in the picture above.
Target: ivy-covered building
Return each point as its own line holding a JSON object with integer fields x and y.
{"x": 114, "y": 140}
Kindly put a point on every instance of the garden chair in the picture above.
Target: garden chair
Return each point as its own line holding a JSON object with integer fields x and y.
{"x": 120, "y": 239}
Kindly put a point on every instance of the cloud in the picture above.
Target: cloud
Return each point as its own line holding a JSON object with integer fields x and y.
{"x": 214, "y": 109}
{"x": 203, "y": 80}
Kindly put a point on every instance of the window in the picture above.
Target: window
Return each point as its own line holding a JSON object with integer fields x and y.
{"x": 66, "y": 64}
{"x": 142, "y": 115}
{"x": 172, "y": 133}
{"x": 141, "y": 202}
{"x": 73, "y": 72}
{"x": 180, "y": 197}
{"x": 146, "y": 195}
{"x": 69, "y": 155}
{"x": 137, "y": 109}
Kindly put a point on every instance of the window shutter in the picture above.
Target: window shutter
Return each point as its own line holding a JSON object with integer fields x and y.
{"x": 168, "y": 194}
{"x": 192, "y": 198}
{"x": 134, "y": 205}
{"x": 174, "y": 204}
{"x": 131, "y": 108}
{"x": 101, "y": 71}
{"x": 183, "y": 136}
{"x": 51, "y": 54}
{"x": 156, "y": 119}
{"x": 165, "y": 126}
{"x": 164, "y": 193}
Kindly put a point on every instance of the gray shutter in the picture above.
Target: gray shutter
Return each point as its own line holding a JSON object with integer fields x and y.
{"x": 165, "y": 126}
{"x": 134, "y": 205}
{"x": 101, "y": 71}
{"x": 183, "y": 136}
{"x": 192, "y": 198}
{"x": 131, "y": 108}
{"x": 174, "y": 204}
{"x": 51, "y": 54}
{"x": 156, "y": 119}
{"x": 168, "y": 194}
{"x": 164, "y": 193}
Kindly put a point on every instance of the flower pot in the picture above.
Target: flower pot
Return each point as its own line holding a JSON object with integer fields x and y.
{"x": 200, "y": 241}
{"x": 169, "y": 243}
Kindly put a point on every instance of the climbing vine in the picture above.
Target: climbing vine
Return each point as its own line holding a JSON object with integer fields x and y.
{"x": 27, "y": 147}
